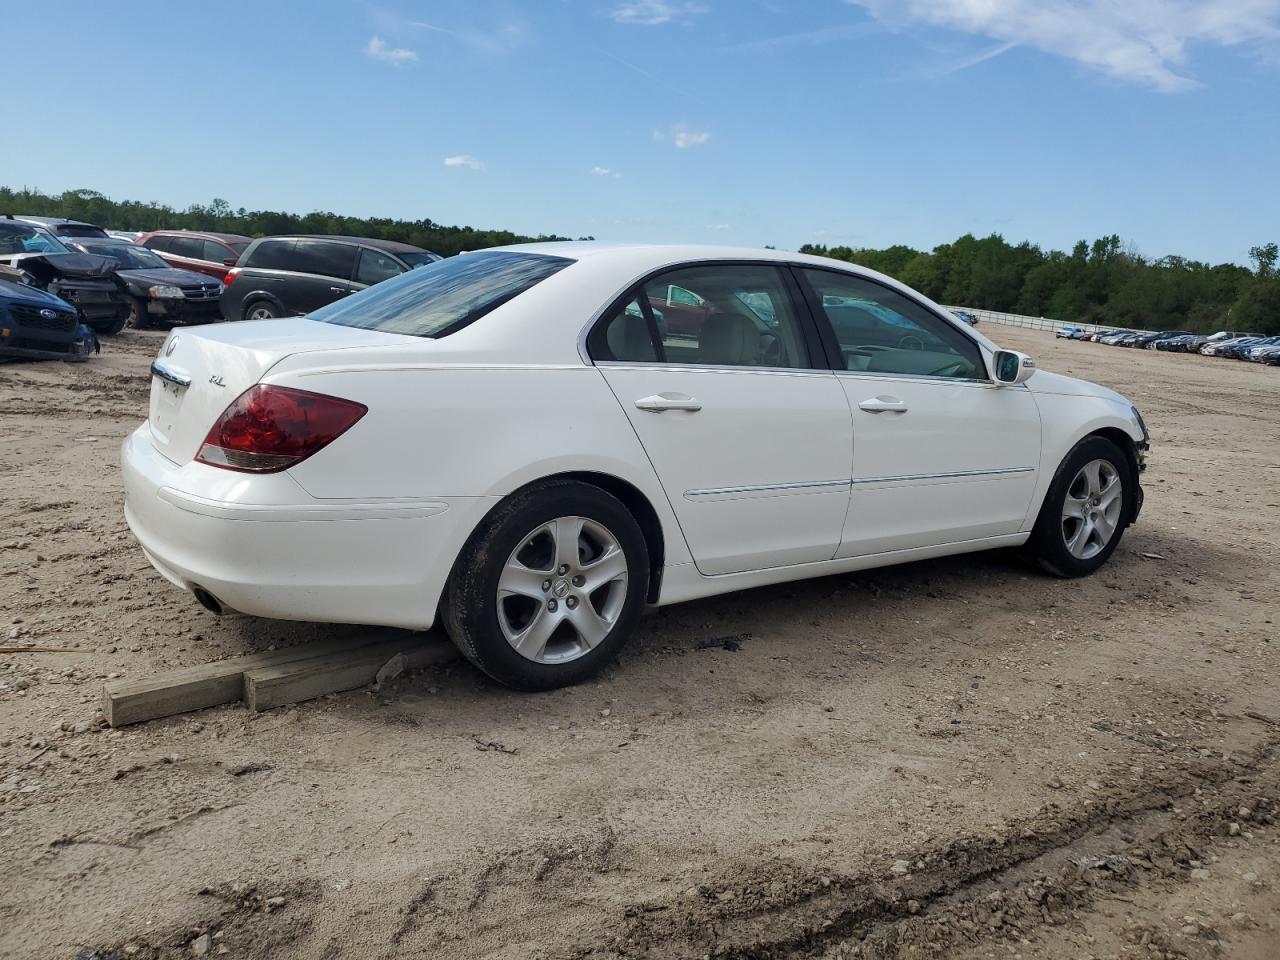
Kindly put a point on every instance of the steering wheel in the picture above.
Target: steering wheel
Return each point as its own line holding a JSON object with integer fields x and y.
{"x": 769, "y": 352}
{"x": 906, "y": 343}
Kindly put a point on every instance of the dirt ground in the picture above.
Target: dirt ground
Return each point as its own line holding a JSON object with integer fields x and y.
{"x": 958, "y": 758}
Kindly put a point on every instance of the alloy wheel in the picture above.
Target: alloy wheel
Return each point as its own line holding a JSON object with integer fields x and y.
{"x": 562, "y": 590}
{"x": 1091, "y": 509}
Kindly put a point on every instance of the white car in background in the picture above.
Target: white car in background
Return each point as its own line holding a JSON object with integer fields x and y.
{"x": 510, "y": 441}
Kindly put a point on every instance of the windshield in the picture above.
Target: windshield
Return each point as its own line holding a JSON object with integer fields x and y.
{"x": 15, "y": 238}
{"x": 418, "y": 259}
{"x": 438, "y": 298}
{"x": 128, "y": 255}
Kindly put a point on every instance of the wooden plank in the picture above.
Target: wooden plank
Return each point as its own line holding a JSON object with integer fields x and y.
{"x": 274, "y": 685}
{"x": 208, "y": 684}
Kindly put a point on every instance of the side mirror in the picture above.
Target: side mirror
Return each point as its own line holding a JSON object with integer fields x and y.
{"x": 1012, "y": 367}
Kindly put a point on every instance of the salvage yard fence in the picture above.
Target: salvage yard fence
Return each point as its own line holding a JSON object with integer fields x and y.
{"x": 1030, "y": 323}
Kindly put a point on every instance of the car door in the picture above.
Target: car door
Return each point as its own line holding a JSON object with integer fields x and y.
{"x": 751, "y": 439}
{"x": 321, "y": 274}
{"x": 941, "y": 454}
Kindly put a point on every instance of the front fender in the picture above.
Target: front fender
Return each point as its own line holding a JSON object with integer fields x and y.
{"x": 1065, "y": 421}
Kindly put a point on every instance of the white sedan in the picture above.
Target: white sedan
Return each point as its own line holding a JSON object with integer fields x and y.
{"x": 533, "y": 443}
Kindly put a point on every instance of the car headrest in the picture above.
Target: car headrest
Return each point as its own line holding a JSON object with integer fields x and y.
{"x": 729, "y": 338}
{"x": 628, "y": 338}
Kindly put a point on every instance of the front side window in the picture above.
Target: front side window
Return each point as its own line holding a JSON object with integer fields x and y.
{"x": 216, "y": 252}
{"x": 882, "y": 331}
{"x": 190, "y": 247}
{"x": 735, "y": 315}
{"x": 437, "y": 299}
{"x": 376, "y": 266}
{"x": 163, "y": 244}
{"x": 18, "y": 238}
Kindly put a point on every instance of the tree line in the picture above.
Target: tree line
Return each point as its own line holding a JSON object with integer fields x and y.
{"x": 1104, "y": 283}
{"x": 218, "y": 216}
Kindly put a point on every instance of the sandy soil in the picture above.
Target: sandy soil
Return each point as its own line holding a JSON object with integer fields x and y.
{"x": 958, "y": 758}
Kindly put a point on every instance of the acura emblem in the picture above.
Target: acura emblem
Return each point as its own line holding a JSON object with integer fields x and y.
{"x": 173, "y": 345}
{"x": 49, "y": 314}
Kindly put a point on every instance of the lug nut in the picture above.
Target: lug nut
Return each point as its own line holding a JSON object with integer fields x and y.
{"x": 546, "y": 585}
{"x": 579, "y": 580}
{"x": 552, "y": 605}
{"x": 571, "y": 602}
{"x": 564, "y": 568}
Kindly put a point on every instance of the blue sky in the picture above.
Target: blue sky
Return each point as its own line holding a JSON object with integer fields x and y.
{"x": 862, "y": 122}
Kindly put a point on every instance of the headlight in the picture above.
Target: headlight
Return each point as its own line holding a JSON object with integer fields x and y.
{"x": 1146, "y": 435}
{"x": 164, "y": 291}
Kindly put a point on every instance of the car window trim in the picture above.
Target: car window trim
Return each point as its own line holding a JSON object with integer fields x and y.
{"x": 809, "y": 335}
{"x": 836, "y": 355}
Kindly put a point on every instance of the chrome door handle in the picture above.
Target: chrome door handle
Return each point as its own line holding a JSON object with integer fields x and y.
{"x": 337, "y": 289}
{"x": 660, "y": 403}
{"x": 883, "y": 405}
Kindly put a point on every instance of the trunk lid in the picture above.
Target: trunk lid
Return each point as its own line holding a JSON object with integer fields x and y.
{"x": 200, "y": 370}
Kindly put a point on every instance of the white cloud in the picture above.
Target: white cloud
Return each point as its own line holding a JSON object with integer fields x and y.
{"x": 600, "y": 171}
{"x": 683, "y": 136}
{"x": 652, "y": 13}
{"x": 464, "y": 160}
{"x": 377, "y": 49}
{"x": 719, "y": 226}
{"x": 1139, "y": 41}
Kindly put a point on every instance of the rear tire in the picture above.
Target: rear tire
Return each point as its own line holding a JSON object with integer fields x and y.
{"x": 260, "y": 310}
{"x": 1085, "y": 511}
{"x": 549, "y": 588}
{"x": 109, "y": 328}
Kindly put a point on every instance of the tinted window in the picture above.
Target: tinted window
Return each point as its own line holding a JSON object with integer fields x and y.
{"x": 80, "y": 230}
{"x": 324, "y": 257}
{"x": 192, "y": 247}
{"x": 436, "y": 300}
{"x": 882, "y": 331}
{"x": 17, "y": 238}
{"x": 721, "y": 315}
{"x": 376, "y": 266}
{"x": 271, "y": 255}
{"x": 239, "y": 246}
{"x": 216, "y": 252}
{"x": 163, "y": 244}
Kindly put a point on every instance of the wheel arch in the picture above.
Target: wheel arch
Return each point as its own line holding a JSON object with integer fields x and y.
{"x": 1129, "y": 447}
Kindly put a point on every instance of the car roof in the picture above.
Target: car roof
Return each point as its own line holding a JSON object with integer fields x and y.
{"x": 391, "y": 246}
{"x": 54, "y": 221}
{"x": 202, "y": 234}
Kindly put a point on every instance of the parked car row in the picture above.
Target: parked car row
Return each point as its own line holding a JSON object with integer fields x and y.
{"x": 118, "y": 278}
{"x": 1225, "y": 343}
{"x": 197, "y": 277}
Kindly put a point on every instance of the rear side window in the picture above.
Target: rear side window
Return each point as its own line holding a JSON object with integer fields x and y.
{"x": 163, "y": 244}
{"x": 324, "y": 258}
{"x": 438, "y": 299}
{"x": 271, "y": 255}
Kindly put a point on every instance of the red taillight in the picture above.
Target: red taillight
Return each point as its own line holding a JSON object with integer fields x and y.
{"x": 231, "y": 275}
{"x": 268, "y": 428}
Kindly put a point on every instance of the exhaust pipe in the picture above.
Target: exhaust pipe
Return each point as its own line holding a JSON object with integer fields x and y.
{"x": 207, "y": 600}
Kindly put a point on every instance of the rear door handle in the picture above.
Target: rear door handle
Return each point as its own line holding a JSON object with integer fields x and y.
{"x": 338, "y": 289}
{"x": 662, "y": 402}
{"x": 883, "y": 405}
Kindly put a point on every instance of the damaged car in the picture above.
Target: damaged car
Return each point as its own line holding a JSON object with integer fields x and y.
{"x": 87, "y": 283}
{"x": 36, "y": 325}
{"x": 157, "y": 291}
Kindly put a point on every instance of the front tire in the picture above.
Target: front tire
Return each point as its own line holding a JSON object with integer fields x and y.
{"x": 549, "y": 588}
{"x": 138, "y": 317}
{"x": 1085, "y": 511}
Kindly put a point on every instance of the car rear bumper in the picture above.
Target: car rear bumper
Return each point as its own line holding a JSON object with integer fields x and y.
{"x": 260, "y": 545}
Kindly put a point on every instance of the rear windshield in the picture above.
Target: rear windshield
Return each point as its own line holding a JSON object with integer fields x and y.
{"x": 439, "y": 298}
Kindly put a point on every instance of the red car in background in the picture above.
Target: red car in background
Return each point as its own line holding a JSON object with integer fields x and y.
{"x": 211, "y": 253}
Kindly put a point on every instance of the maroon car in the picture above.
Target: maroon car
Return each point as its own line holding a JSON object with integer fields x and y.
{"x": 211, "y": 253}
